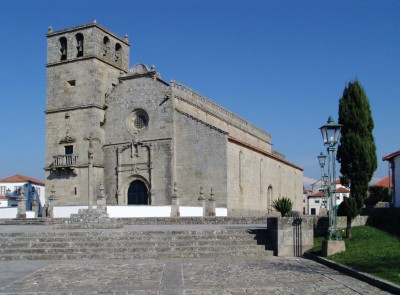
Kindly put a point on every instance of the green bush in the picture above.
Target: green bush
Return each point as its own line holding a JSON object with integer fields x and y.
{"x": 283, "y": 205}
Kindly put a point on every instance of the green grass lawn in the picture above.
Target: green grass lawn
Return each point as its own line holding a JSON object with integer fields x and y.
{"x": 371, "y": 251}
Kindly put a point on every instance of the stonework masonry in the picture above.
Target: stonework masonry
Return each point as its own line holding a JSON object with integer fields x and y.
{"x": 151, "y": 134}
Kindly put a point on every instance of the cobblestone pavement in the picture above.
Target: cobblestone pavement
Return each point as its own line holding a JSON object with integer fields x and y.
{"x": 221, "y": 276}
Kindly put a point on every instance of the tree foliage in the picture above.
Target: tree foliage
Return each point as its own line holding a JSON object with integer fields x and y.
{"x": 377, "y": 194}
{"x": 357, "y": 151}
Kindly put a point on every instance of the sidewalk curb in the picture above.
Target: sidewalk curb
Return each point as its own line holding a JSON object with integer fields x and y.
{"x": 370, "y": 279}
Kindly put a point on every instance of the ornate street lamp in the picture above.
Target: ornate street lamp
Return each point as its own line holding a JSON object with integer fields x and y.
{"x": 321, "y": 160}
{"x": 331, "y": 135}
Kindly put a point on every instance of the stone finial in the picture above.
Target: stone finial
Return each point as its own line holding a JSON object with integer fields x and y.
{"x": 201, "y": 197}
{"x": 211, "y": 205}
{"x": 212, "y": 195}
{"x": 175, "y": 203}
{"x": 35, "y": 208}
{"x": 94, "y": 21}
{"x": 126, "y": 37}
{"x": 21, "y": 213}
{"x": 50, "y": 29}
{"x": 153, "y": 68}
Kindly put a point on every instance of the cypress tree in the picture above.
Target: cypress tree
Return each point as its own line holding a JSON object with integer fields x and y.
{"x": 357, "y": 151}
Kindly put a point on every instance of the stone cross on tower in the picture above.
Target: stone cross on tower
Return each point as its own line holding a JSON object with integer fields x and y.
{"x": 90, "y": 139}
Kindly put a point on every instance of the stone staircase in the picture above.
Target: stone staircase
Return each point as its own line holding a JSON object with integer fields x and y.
{"x": 114, "y": 244}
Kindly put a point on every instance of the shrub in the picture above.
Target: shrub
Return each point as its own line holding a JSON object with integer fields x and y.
{"x": 283, "y": 205}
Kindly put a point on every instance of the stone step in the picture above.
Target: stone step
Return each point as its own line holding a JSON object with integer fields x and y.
{"x": 151, "y": 255}
{"x": 117, "y": 243}
{"x": 135, "y": 249}
{"x": 67, "y": 233}
{"x": 129, "y": 236}
{"x": 111, "y": 244}
{"x": 153, "y": 238}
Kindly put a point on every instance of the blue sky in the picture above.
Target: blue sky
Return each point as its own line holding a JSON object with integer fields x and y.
{"x": 281, "y": 65}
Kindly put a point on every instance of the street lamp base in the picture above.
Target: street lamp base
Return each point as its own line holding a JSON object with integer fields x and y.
{"x": 330, "y": 247}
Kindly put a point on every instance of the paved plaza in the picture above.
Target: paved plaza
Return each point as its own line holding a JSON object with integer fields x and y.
{"x": 271, "y": 275}
{"x": 175, "y": 276}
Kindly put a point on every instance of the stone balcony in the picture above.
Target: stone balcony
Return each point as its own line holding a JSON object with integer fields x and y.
{"x": 64, "y": 162}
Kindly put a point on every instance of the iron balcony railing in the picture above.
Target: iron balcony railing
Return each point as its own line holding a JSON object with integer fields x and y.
{"x": 64, "y": 161}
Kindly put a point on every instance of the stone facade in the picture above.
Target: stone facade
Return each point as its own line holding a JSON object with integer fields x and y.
{"x": 150, "y": 135}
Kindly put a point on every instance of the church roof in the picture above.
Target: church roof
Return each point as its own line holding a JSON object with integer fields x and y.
{"x": 21, "y": 178}
{"x": 263, "y": 152}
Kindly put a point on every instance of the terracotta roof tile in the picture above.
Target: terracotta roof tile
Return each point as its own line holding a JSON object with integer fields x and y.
{"x": 342, "y": 190}
{"x": 383, "y": 182}
{"x": 22, "y": 178}
{"x": 317, "y": 194}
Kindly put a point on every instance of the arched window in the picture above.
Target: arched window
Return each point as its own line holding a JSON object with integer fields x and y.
{"x": 63, "y": 48}
{"x": 269, "y": 199}
{"x": 117, "y": 52}
{"x": 106, "y": 46}
{"x": 79, "y": 45}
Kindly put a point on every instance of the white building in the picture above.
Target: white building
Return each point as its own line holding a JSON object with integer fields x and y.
{"x": 394, "y": 165}
{"x": 317, "y": 200}
{"x": 11, "y": 187}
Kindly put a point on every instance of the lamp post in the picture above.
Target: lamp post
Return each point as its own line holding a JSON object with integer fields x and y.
{"x": 330, "y": 135}
{"x": 321, "y": 160}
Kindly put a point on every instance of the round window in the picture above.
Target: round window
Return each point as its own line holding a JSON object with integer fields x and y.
{"x": 140, "y": 121}
{"x": 137, "y": 120}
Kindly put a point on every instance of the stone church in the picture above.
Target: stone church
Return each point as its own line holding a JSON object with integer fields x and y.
{"x": 145, "y": 139}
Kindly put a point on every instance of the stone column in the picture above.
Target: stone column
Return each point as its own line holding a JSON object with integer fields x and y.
{"x": 90, "y": 185}
{"x": 90, "y": 139}
{"x": 101, "y": 200}
{"x": 202, "y": 201}
{"x": 21, "y": 205}
{"x": 175, "y": 203}
{"x": 211, "y": 204}
{"x": 118, "y": 175}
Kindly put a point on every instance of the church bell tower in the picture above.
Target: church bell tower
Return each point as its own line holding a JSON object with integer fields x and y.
{"x": 83, "y": 66}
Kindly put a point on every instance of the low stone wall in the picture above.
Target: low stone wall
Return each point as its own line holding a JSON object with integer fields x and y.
{"x": 321, "y": 223}
{"x": 290, "y": 236}
{"x": 147, "y": 220}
